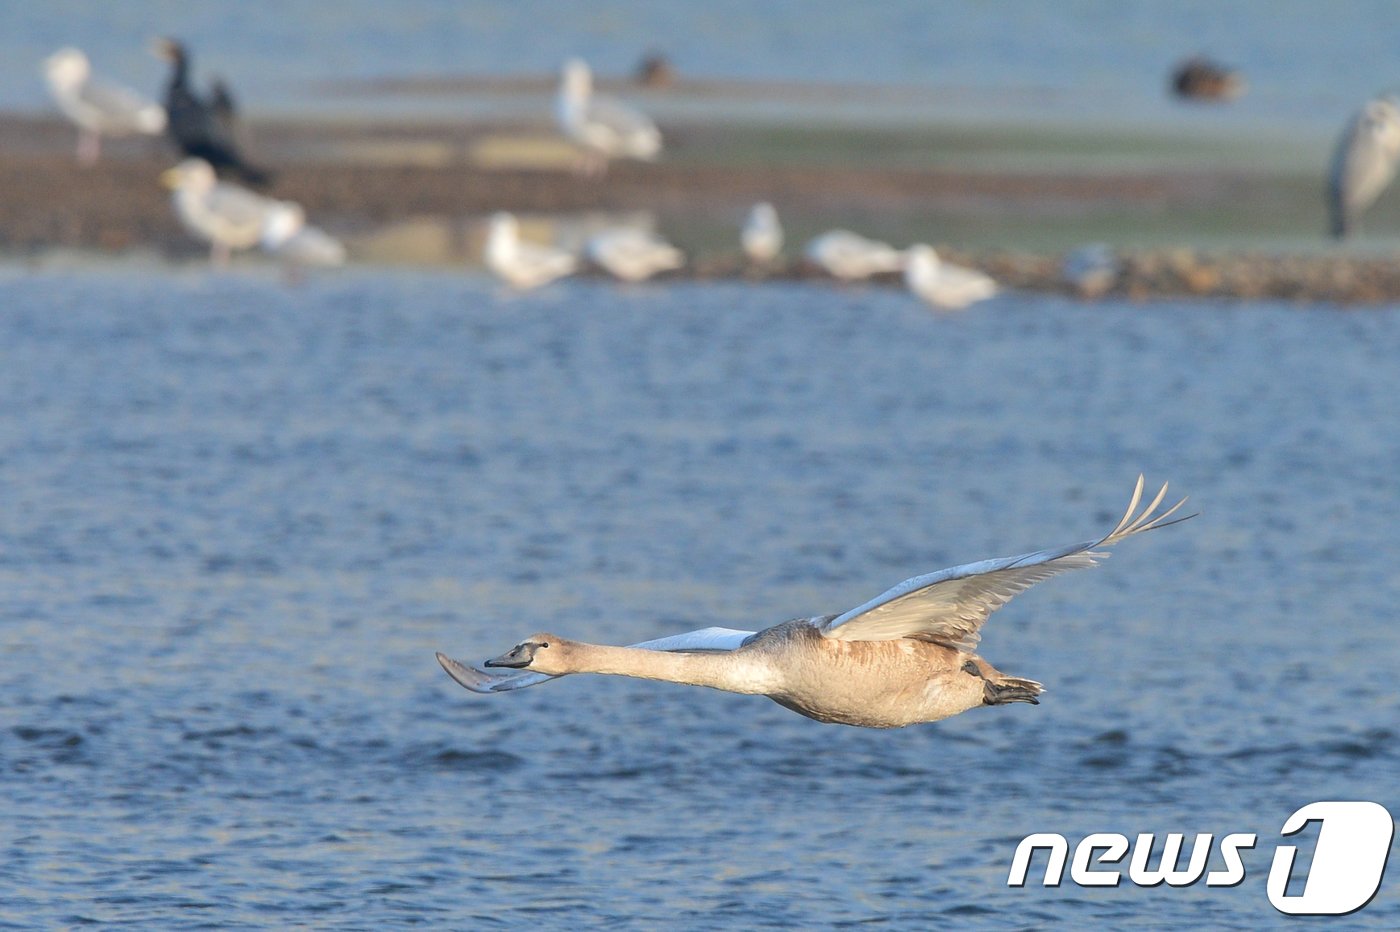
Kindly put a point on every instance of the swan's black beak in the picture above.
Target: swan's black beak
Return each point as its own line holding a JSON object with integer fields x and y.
{"x": 517, "y": 657}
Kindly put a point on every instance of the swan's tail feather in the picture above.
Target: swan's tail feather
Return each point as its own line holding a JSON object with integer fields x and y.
{"x": 1007, "y": 689}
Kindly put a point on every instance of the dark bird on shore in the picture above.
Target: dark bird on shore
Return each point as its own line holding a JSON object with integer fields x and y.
{"x": 1364, "y": 162}
{"x": 223, "y": 107}
{"x": 1200, "y": 78}
{"x": 204, "y": 128}
{"x": 655, "y": 70}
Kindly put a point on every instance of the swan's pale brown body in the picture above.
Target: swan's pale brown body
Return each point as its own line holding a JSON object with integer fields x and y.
{"x": 902, "y": 658}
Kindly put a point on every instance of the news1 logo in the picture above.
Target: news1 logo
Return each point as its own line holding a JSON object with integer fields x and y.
{"x": 1348, "y": 862}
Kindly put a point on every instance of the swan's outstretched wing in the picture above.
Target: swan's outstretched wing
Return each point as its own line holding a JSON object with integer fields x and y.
{"x": 951, "y": 605}
{"x": 482, "y": 681}
{"x": 706, "y": 639}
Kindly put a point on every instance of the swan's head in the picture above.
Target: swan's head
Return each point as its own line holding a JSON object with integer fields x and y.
{"x": 542, "y": 653}
{"x": 67, "y": 68}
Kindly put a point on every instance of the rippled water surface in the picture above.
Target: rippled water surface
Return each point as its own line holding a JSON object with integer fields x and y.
{"x": 238, "y": 519}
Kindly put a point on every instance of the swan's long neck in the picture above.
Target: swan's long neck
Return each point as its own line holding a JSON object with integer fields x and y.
{"x": 731, "y": 672}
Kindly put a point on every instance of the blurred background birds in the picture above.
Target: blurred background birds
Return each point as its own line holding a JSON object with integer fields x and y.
{"x": 851, "y": 257}
{"x": 942, "y": 284}
{"x": 632, "y": 255}
{"x": 602, "y": 127}
{"x": 521, "y": 264}
{"x": 762, "y": 234}
{"x": 407, "y": 166}
{"x": 291, "y": 240}
{"x": 98, "y": 107}
{"x": 1199, "y": 78}
{"x": 1364, "y": 163}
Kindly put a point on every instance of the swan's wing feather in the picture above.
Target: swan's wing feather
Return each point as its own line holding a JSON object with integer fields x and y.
{"x": 482, "y": 681}
{"x": 950, "y": 606}
{"x": 706, "y": 639}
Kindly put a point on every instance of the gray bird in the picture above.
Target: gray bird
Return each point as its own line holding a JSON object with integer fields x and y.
{"x": 1364, "y": 162}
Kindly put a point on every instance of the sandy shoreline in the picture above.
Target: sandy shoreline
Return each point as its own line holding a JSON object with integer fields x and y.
{"x": 1207, "y": 223}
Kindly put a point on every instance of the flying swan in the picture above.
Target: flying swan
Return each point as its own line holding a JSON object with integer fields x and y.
{"x": 902, "y": 658}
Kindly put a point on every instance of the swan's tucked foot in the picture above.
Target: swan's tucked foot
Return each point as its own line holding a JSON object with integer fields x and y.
{"x": 1011, "y": 689}
{"x": 479, "y": 681}
{"x": 1000, "y": 689}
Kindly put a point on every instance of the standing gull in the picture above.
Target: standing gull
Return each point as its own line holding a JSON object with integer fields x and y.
{"x": 605, "y": 128}
{"x": 850, "y": 257}
{"x": 521, "y": 264}
{"x": 942, "y": 284}
{"x": 1364, "y": 162}
{"x": 227, "y": 216}
{"x": 1091, "y": 270}
{"x": 762, "y": 235}
{"x": 288, "y": 237}
{"x": 632, "y": 255}
{"x": 98, "y": 107}
{"x": 904, "y": 657}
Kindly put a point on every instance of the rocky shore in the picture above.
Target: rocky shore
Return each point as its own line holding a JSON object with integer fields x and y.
{"x": 404, "y": 193}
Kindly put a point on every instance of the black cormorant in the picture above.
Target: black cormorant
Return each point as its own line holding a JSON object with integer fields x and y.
{"x": 203, "y": 128}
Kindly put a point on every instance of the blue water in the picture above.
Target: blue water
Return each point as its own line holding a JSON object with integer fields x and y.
{"x": 239, "y": 518}
{"x": 1018, "y": 59}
